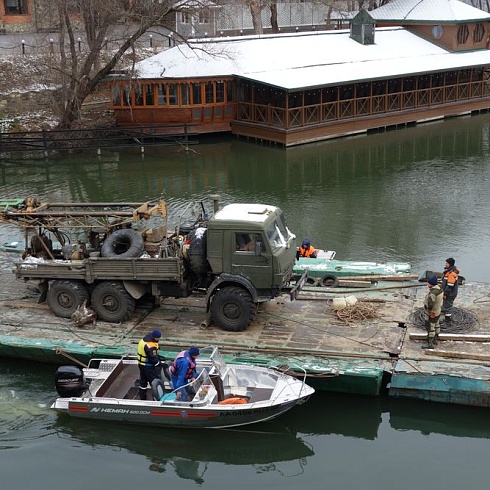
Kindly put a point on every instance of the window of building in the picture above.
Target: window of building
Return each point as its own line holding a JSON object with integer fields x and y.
{"x": 150, "y": 95}
{"x": 451, "y": 77}
{"x": 437, "y": 32}
{"x": 209, "y": 92}
{"x": 478, "y": 32}
{"x": 116, "y": 95}
{"x": 312, "y": 97}
{"x": 204, "y": 17}
{"x": 295, "y": 99}
{"x": 394, "y": 85}
{"x": 229, "y": 91}
{"x": 173, "y": 95}
{"x": 138, "y": 95}
{"x": 196, "y": 93}
{"x": 16, "y": 7}
{"x": 409, "y": 84}
{"x": 185, "y": 92}
{"x": 329, "y": 94}
{"x": 162, "y": 94}
{"x": 363, "y": 90}
{"x": 126, "y": 95}
{"x": 346, "y": 92}
{"x": 220, "y": 91}
{"x": 437, "y": 79}
{"x": 463, "y": 34}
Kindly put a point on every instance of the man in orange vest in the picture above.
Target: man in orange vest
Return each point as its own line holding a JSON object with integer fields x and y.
{"x": 306, "y": 250}
{"x": 450, "y": 279}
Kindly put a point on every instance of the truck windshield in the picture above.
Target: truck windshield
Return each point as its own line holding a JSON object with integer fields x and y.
{"x": 279, "y": 234}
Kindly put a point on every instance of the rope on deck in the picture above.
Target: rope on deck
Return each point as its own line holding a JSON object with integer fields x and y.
{"x": 357, "y": 312}
{"x": 461, "y": 320}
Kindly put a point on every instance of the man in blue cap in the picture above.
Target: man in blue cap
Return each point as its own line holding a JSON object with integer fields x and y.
{"x": 306, "y": 250}
{"x": 183, "y": 371}
{"x": 148, "y": 360}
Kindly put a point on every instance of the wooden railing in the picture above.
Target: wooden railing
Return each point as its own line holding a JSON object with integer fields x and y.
{"x": 364, "y": 106}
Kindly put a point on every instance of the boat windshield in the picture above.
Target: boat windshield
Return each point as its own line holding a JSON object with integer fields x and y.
{"x": 278, "y": 234}
{"x": 218, "y": 361}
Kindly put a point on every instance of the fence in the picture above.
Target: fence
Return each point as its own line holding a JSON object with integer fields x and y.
{"x": 96, "y": 139}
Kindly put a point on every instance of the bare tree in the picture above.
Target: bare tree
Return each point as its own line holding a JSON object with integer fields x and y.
{"x": 118, "y": 22}
{"x": 274, "y": 23}
{"x": 256, "y": 7}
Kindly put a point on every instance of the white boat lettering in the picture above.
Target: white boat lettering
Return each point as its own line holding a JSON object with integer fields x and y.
{"x": 120, "y": 411}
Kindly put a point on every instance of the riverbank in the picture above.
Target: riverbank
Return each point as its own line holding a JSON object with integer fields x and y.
{"x": 364, "y": 356}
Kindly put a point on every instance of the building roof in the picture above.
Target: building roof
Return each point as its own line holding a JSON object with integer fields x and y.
{"x": 307, "y": 60}
{"x": 429, "y": 11}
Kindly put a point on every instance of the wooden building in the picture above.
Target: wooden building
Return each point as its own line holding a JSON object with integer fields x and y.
{"x": 299, "y": 88}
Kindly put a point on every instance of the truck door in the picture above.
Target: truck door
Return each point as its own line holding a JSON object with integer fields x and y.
{"x": 252, "y": 259}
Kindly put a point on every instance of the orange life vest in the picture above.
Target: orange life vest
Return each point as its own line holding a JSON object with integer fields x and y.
{"x": 306, "y": 252}
{"x": 233, "y": 401}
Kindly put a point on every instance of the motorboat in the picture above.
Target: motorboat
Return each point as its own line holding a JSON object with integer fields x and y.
{"x": 326, "y": 270}
{"x": 223, "y": 394}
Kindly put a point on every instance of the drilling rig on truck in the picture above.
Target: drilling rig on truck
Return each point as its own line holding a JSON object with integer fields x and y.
{"x": 110, "y": 254}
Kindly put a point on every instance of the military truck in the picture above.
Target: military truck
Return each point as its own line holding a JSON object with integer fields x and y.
{"x": 240, "y": 256}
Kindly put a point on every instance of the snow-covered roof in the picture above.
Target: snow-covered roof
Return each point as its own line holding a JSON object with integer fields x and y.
{"x": 295, "y": 61}
{"x": 256, "y": 213}
{"x": 429, "y": 11}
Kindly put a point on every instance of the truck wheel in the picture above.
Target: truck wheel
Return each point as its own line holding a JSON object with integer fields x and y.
{"x": 197, "y": 251}
{"x": 112, "y": 302}
{"x": 233, "y": 309}
{"x": 64, "y": 297}
{"x": 122, "y": 244}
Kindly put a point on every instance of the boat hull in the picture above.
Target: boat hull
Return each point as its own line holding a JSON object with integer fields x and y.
{"x": 346, "y": 268}
{"x": 154, "y": 414}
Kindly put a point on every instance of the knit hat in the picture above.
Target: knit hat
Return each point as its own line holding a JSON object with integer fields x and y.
{"x": 306, "y": 242}
{"x": 432, "y": 280}
{"x": 156, "y": 334}
{"x": 194, "y": 352}
{"x": 450, "y": 261}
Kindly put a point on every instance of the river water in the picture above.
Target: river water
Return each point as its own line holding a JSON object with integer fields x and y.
{"x": 418, "y": 195}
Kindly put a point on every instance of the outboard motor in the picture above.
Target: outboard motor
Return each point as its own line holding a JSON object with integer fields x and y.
{"x": 70, "y": 381}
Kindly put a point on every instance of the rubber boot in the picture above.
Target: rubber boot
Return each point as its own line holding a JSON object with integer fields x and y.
{"x": 448, "y": 319}
{"x": 430, "y": 343}
{"x": 142, "y": 394}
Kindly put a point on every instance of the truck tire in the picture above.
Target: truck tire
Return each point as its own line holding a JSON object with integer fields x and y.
{"x": 197, "y": 251}
{"x": 125, "y": 243}
{"x": 112, "y": 302}
{"x": 329, "y": 281}
{"x": 64, "y": 297}
{"x": 233, "y": 309}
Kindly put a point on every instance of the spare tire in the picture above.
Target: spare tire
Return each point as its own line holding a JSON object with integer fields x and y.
{"x": 197, "y": 251}
{"x": 123, "y": 243}
{"x": 329, "y": 281}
